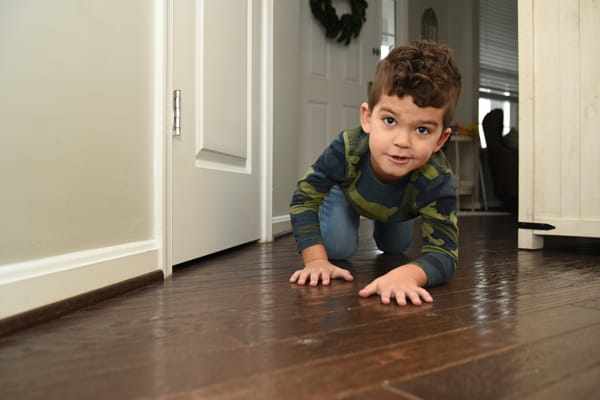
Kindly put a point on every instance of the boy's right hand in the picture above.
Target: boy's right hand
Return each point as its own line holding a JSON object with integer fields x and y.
{"x": 319, "y": 269}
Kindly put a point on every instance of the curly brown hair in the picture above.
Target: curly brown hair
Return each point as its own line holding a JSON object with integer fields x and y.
{"x": 422, "y": 69}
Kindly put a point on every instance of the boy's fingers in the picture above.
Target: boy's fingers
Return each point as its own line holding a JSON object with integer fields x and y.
{"x": 415, "y": 298}
{"x": 368, "y": 290}
{"x": 400, "y": 298}
{"x": 314, "y": 278}
{"x": 386, "y": 296}
{"x": 294, "y": 276}
{"x": 342, "y": 273}
{"x": 302, "y": 276}
{"x": 425, "y": 295}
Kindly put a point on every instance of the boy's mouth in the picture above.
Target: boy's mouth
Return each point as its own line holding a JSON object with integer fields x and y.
{"x": 399, "y": 159}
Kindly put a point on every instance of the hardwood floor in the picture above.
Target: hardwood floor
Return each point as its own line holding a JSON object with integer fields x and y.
{"x": 511, "y": 324}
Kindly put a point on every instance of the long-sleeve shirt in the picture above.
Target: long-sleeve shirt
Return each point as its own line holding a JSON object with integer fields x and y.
{"x": 428, "y": 192}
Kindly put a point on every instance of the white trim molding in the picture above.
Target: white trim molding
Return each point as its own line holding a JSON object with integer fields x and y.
{"x": 161, "y": 124}
{"x": 266, "y": 117}
{"x": 281, "y": 224}
{"x": 31, "y": 284}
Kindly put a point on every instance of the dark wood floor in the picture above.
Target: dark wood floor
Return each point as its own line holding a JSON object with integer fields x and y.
{"x": 511, "y": 325}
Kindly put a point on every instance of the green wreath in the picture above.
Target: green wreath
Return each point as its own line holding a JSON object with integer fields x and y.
{"x": 343, "y": 28}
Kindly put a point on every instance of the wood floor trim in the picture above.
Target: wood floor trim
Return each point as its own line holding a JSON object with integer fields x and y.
{"x": 59, "y": 308}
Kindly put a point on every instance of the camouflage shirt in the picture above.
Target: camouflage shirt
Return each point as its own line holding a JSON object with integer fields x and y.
{"x": 428, "y": 192}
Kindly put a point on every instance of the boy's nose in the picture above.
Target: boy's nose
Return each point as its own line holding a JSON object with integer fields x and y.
{"x": 401, "y": 138}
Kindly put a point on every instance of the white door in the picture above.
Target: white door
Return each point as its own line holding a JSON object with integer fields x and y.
{"x": 335, "y": 77}
{"x": 215, "y": 160}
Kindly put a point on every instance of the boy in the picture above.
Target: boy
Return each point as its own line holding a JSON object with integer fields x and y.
{"x": 388, "y": 169}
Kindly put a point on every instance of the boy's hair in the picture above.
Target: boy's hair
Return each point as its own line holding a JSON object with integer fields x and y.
{"x": 422, "y": 69}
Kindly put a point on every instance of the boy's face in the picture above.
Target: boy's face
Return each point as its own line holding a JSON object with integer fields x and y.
{"x": 402, "y": 136}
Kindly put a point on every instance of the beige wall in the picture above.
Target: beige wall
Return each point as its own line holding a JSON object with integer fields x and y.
{"x": 77, "y": 137}
{"x": 458, "y": 27}
{"x": 415, "y": 12}
{"x": 287, "y": 111}
{"x": 77, "y": 142}
{"x": 463, "y": 37}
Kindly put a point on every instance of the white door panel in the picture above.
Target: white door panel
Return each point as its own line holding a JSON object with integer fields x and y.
{"x": 215, "y": 177}
{"x": 335, "y": 78}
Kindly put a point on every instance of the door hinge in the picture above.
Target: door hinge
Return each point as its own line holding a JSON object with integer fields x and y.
{"x": 177, "y": 113}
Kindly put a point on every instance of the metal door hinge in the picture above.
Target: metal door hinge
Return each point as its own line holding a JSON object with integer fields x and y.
{"x": 177, "y": 113}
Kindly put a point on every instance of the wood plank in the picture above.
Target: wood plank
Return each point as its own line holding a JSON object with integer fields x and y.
{"x": 592, "y": 303}
{"x": 381, "y": 393}
{"x": 517, "y": 372}
{"x": 339, "y": 376}
{"x": 580, "y": 386}
{"x": 198, "y": 368}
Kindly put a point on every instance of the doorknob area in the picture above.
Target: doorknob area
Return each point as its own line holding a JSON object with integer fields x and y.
{"x": 376, "y": 51}
{"x": 177, "y": 113}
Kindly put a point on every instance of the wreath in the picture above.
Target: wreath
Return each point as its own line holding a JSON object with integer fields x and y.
{"x": 343, "y": 28}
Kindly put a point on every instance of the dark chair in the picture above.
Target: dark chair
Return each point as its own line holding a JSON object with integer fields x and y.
{"x": 503, "y": 161}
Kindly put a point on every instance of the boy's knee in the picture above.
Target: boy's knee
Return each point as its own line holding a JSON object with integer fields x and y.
{"x": 340, "y": 253}
{"x": 396, "y": 249}
{"x": 393, "y": 238}
{"x": 394, "y": 246}
{"x": 341, "y": 248}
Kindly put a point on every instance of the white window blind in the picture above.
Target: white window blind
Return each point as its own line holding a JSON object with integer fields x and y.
{"x": 498, "y": 46}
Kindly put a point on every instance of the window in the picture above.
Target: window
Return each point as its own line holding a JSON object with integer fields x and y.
{"x": 498, "y": 61}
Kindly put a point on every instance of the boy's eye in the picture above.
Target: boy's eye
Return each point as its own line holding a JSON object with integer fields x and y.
{"x": 389, "y": 121}
{"x": 423, "y": 130}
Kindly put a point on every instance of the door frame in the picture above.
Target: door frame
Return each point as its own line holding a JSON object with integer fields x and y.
{"x": 163, "y": 176}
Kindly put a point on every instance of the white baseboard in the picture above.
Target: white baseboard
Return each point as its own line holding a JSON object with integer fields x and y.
{"x": 281, "y": 224}
{"x": 36, "y": 283}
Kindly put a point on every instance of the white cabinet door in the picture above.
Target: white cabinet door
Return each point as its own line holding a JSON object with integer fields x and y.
{"x": 215, "y": 160}
{"x": 559, "y": 115}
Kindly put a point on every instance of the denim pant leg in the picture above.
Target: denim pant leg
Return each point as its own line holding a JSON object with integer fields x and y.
{"x": 393, "y": 237}
{"x": 339, "y": 225}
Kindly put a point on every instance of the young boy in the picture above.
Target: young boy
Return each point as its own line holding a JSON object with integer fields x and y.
{"x": 389, "y": 169}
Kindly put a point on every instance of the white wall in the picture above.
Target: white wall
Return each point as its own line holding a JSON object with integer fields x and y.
{"x": 77, "y": 163}
{"x": 287, "y": 111}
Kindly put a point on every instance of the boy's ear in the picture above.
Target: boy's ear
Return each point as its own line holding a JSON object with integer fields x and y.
{"x": 365, "y": 117}
{"x": 443, "y": 138}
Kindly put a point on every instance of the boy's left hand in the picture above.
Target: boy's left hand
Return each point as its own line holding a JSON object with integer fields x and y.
{"x": 402, "y": 283}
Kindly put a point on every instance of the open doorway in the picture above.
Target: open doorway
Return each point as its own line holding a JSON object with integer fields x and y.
{"x": 489, "y": 80}
{"x": 498, "y": 102}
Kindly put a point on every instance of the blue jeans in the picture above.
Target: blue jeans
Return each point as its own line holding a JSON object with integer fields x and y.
{"x": 339, "y": 229}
